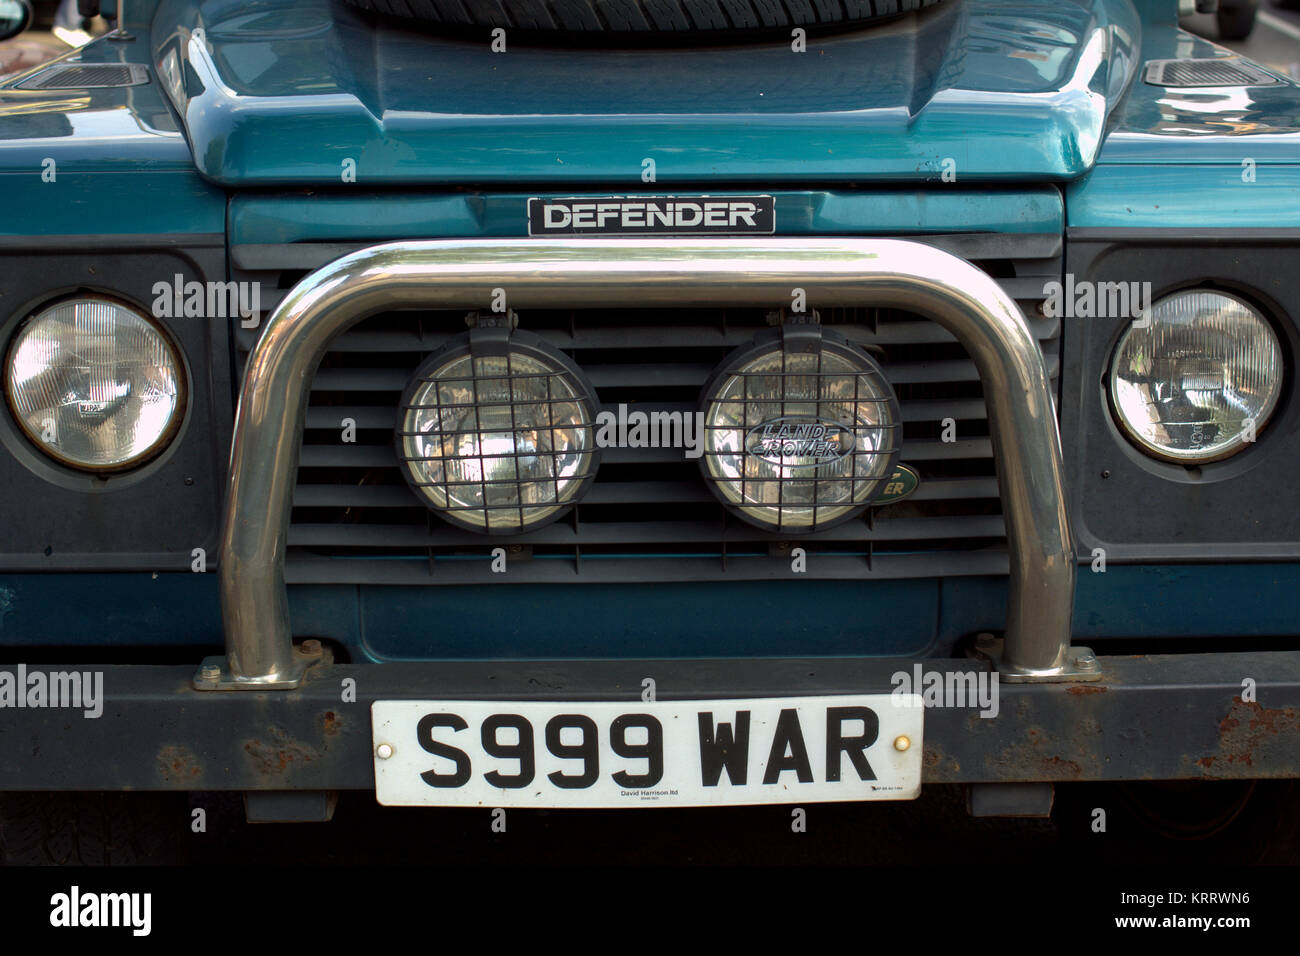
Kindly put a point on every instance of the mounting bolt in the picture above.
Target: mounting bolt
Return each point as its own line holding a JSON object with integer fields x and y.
{"x": 902, "y": 742}
{"x": 1087, "y": 662}
{"x": 311, "y": 647}
{"x": 209, "y": 672}
{"x": 985, "y": 640}
{"x": 384, "y": 751}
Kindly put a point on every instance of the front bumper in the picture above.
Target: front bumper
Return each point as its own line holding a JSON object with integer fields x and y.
{"x": 1150, "y": 717}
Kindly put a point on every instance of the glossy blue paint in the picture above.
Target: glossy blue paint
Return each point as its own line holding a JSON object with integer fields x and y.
{"x": 161, "y": 203}
{"x": 1205, "y": 158}
{"x": 276, "y": 92}
{"x": 108, "y": 161}
{"x": 1186, "y": 197}
{"x": 385, "y": 215}
{"x": 1156, "y": 125}
{"x": 1163, "y": 13}
{"x": 113, "y": 129}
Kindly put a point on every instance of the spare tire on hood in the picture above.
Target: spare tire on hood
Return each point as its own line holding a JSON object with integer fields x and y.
{"x": 642, "y": 16}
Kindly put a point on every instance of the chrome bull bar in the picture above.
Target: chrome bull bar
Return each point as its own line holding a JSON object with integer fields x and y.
{"x": 670, "y": 273}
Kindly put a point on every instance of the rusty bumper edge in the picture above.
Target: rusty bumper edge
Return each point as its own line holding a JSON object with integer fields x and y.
{"x": 1151, "y": 717}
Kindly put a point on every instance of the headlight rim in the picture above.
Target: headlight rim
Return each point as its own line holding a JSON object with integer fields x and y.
{"x": 515, "y": 340}
{"x": 1153, "y": 455}
{"x": 767, "y": 341}
{"x": 167, "y": 440}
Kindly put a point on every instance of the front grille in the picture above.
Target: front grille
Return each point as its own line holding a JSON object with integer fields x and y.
{"x": 648, "y": 516}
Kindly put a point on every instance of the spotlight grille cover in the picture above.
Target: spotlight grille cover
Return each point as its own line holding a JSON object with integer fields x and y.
{"x": 499, "y": 438}
{"x": 801, "y": 431}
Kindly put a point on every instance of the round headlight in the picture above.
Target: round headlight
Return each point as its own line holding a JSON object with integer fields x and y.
{"x": 1198, "y": 380}
{"x": 95, "y": 384}
{"x": 498, "y": 439}
{"x": 800, "y": 431}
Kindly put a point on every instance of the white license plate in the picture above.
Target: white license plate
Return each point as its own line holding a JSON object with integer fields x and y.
{"x": 633, "y": 754}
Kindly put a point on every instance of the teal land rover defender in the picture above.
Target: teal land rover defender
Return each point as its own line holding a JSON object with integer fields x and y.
{"x": 617, "y": 403}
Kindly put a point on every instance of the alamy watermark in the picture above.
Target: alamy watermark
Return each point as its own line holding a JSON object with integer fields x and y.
{"x": 77, "y": 690}
{"x": 658, "y": 429}
{"x": 207, "y": 300}
{"x": 956, "y": 689}
{"x": 1083, "y": 299}
{"x": 75, "y": 909}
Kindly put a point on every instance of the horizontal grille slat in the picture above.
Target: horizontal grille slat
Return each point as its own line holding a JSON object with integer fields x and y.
{"x": 614, "y": 493}
{"x": 650, "y": 376}
{"x": 458, "y": 571}
{"x": 919, "y": 332}
{"x": 1023, "y": 288}
{"x": 629, "y": 533}
{"x": 938, "y": 450}
{"x": 648, "y": 516}
{"x": 376, "y": 456}
{"x": 1023, "y": 248}
{"x": 918, "y": 410}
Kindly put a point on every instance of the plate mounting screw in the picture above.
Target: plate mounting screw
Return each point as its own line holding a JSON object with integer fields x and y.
{"x": 902, "y": 742}
{"x": 384, "y": 751}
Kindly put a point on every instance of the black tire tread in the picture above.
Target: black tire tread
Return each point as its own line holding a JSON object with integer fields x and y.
{"x": 640, "y": 16}
{"x": 91, "y": 829}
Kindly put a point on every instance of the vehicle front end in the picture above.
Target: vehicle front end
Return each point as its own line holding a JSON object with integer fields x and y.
{"x": 486, "y": 421}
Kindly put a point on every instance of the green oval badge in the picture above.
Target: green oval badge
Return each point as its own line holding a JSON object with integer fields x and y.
{"x": 900, "y": 484}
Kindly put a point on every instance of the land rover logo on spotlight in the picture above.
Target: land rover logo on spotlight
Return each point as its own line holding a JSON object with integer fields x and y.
{"x": 819, "y": 439}
{"x": 652, "y": 215}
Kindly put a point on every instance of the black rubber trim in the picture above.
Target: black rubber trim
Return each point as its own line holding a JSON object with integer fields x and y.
{"x": 1114, "y": 233}
{"x": 181, "y": 240}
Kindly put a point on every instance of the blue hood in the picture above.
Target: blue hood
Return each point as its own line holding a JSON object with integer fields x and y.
{"x": 285, "y": 92}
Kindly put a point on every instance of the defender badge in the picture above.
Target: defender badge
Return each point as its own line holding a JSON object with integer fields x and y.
{"x": 652, "y": 216}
